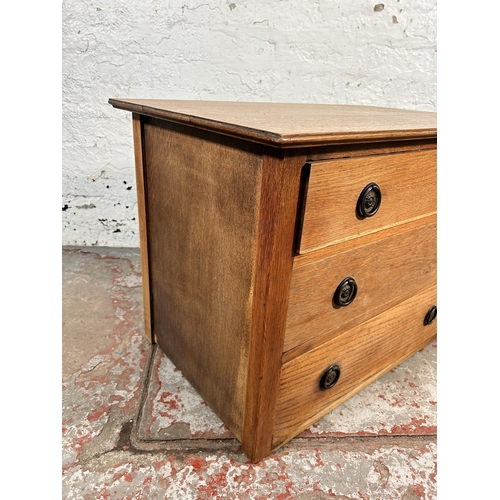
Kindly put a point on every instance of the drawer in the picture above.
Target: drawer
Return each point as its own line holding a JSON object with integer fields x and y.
{"x": 386, "y": 270}
{"x": 363, "y": 354}
{"x": 407, "y": 182}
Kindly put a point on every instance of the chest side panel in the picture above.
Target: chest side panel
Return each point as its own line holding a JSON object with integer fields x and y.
{"x": 203, "y": 204}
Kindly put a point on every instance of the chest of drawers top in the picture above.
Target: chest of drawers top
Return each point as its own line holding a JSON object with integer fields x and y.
{"x": 285, "y": 125}
{"x": 258, "y": 229}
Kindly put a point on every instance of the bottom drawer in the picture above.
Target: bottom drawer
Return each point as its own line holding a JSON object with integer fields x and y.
{"x": 362, "y": 354}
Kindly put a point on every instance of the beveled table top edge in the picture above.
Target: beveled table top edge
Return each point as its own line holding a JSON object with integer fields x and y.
{"x": 351, "y": 124}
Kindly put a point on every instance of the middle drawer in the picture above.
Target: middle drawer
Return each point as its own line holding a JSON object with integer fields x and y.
{"x": 386, "y": 268}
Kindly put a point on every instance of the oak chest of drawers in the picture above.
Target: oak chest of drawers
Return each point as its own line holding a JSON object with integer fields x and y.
{"x": 288, "y": 252}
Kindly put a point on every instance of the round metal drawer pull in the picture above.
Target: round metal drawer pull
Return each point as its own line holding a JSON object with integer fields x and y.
{"x": 330, "y": 377}
{"x": 431, "y": 315}
{"x": 369, "y": 200}
{"x": 345, "y": 292}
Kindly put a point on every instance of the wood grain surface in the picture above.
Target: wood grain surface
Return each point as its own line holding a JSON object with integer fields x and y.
{"x": 203, "y": 208}
{"x": 273, "y": 272}
{"x": 387, "y": 270}
{"x": 363, "y": 353}
{"x": 367, "y": 149}
{"x": 228, "y": 192}
{"x": 142, "y": 215}
{"x": 291, "y": 124}
{"x": 407, "y": 181}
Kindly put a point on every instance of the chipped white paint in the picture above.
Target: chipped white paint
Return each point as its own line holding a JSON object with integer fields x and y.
{"x": 129, "y": 281}
{"x": 288, "y": 51}
{"x": 392, "y": 472}
{"x": 401, "y": 402}
{"x": 105, "y": 381}
{"x": 172, "y": 404}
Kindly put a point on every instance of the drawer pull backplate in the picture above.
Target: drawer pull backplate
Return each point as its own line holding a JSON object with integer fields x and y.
{"x": 369, "y": 200}
{"x": 330, "y": 377}
{"x": 431, "y": 315}
{"x": 345, "y": 292}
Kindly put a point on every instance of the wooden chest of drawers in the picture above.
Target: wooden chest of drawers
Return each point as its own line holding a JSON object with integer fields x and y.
{"x": 288, "y": 252}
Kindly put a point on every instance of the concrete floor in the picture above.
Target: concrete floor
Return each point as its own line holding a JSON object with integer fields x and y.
{"x": 133, "y": 428}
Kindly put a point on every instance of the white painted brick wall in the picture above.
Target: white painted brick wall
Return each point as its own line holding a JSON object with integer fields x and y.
{"x": 320, "y": 51}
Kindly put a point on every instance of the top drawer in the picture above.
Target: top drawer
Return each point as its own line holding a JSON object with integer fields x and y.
{"x": 407, "y": 183}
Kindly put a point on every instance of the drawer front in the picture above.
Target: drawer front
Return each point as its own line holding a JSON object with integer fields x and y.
{"x": 386, "y": 271}
{"x": 407, "y": 183}
{"x": 363, "y": 354}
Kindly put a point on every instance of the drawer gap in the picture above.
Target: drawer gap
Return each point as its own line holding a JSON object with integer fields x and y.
{"x": 301, "y": 207}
